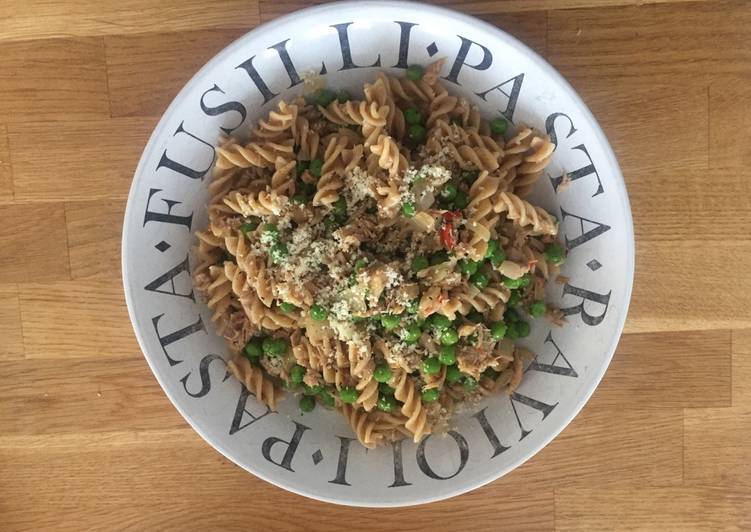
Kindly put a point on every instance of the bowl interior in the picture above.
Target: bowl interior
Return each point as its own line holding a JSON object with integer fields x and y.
{"x": 315, "y": 454}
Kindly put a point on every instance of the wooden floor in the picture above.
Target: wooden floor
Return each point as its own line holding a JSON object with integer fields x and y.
{"x": 88, "y": 440}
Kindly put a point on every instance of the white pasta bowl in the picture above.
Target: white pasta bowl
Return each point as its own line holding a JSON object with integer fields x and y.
{"x": 314, "y": 454}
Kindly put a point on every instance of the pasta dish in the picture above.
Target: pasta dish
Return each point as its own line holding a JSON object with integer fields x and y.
{"x": 375, "y": 254}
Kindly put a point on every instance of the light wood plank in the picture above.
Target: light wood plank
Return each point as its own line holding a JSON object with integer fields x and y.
{"x": 716, "y": 442}
{"x": 11, "y": 346}
{"x": 82, "y": 160}
{"x": 34, "y": 245}
{"x": 666, "y": 295}
{"x": 687, "y": 46}
{"x": 271, "y": 9}
{"x": 729, "y": 117}
{"x": 607, "y": 445}
{"x": 6, "y": 172}
{"x": 678, "y": 205}
{"x": 68, "y": 396}
{"x": 52, "y": 80}
{"x": 683, "y": 509}
{"x": 43, "y": 19}
{"x": 54, "y": 331}
{"x": 134, "y": 61}
{"x": 71, "y": 464}
{"x": 742, "y": 368}
{"x": 94, "y": 234}
{"x": 670, "y": 370}
{"x": 654, "y": 140}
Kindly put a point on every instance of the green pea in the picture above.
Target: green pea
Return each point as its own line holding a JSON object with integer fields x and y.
{"x": 312, "y": 390}
{"x": 302, "y": 166}
{"x": 537, "y": 309}
{"x": 510, "y": 316}
{"x": 461, "y": 200}
{"x": 492, "y": 246}
{"x": 324, "y": 97}
{"x": 316, "y": 165}
{"x": 512, "y": 333}
{"x": 412, "y": 333}
{"x": 475, "y": 317}
{"x": 498, "y": 125}
{"x": 430, "y": 395}
{"x": 440, "y": 322}
{"x": 287, "y": 307}
{"x": 415, "y": 72}
{"x": 522, "y": 328}
{"x": 470, "y": 383}
{"x": 480, "y": 280}
{"x": 469, "y": 175}
{"x": 326, "y": 398}
{"x": 521, "y": 282}
{"x": 343, "y": 96}
{"x": 385, "y": 389}
{"x": 348, "y": 394}
{"x": 296, "y": 374}
{"x": 468, "y": 267}
{"x": 249, "y": 226}
{"x": 279, "y": 253}
{"x": 386, "y": 403}
{"x": 447, "y": 355}
{"x": 498, "y": 256}
{"x": 382, "y": 373}
{"x": 514, "y": 299}
{"x": 416, "y": 132}
{"x": 307, "y": 403}
{"x": 439, "y": 257}
{"x": 419, "y": 263}
{"x": 449, "y": 337}
{"x": 271, "y": 230}
{"x": 389, "y": 321}
{"x": 412, "y": 116}
{"x": 448, "y": 192}
{"x": 408, "y": 209}
{"x": 453, "y": 374}
{"x": 340, "y": 206}
{"x": 360, "y": 264}
{"x": 555, "y": 253}
{"x": 274, "y": 347}
{"x": 431, "y": 366}
{"x": 413, "y": 306}
{"x": 498, "y": 330}
{"x": 253, "y": 349}
{"x": 300, "y": 199}
{"x": 318, "y": 313}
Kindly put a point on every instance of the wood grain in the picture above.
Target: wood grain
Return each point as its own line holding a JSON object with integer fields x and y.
{"x": 89, "y": 441}
{"x": 54, "y": 332}
{"x": 43, "y": 19}
{"x": 11, "y": 332}
{"x": 134, "y": 61}
{"x": 53, "y": 80}
{"x": 94, "y": 231}
{"x": 670, "y": 370}
{"x": 6, "y": 172}
{"x": 655, "y": 44}
{"x": 729, "y": 118}
{"x": 675, "y": 305}
{"x": 34, "y": 247}
{"x": 82, "y": 396}
{"x": 109, "y": 150}
{"x": 694, "y": 508}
